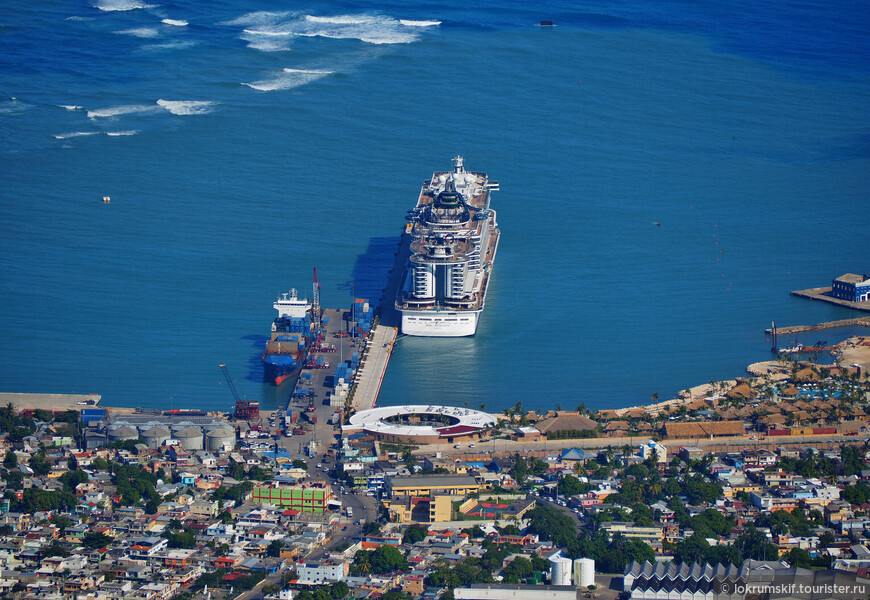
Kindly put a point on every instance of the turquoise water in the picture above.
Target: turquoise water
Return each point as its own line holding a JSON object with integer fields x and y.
{"x": 248, "y": 146}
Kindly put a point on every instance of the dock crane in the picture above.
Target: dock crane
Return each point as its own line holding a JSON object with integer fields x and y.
{"x": 245, "y": 409}
{"x": 230, "y": 383}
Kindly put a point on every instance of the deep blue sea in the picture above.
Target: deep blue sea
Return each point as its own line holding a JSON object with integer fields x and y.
{"x": 668, "y": 171}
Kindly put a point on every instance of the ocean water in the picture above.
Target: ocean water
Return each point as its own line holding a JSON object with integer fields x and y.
{"x": 668, "y": 171}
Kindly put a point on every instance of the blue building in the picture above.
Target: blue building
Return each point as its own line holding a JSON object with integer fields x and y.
{"x": 851, "y": 287}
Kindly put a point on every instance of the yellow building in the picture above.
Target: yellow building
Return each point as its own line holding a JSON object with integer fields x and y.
{"x": 408, "y": 509}
{"x": 425, "y": 485}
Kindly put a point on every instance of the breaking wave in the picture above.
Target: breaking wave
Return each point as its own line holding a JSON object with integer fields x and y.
{"x": 288, "y": 79}
{"x": 367, "y": 28}
{"x": 142, "y": 32}
{"x": 122, "y": 133}
{"x": 72, "y": 134}
{"x": 121, "y": 5}
{"x": 372, "y": 29}
{"x": 173, "y": 45}
{"x": 71, "y": 106}
{"x": 174, "y": 22}
{"x": 117, "y": 111}
{"x": 408, "y": 23}
{"x": 187, "y": 107}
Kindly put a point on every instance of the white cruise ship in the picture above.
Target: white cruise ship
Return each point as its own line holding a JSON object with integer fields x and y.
{"x": 454, "y": 238}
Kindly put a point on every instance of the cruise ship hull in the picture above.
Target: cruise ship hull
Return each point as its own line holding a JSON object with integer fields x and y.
{"x": 439, "y": 323}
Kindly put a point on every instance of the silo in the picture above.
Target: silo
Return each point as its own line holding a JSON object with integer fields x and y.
{"x": 560, "y": 569}
{"x": 155, "y": 436}
{"x": 123, "y": 433}
{"x": 220, "y": 439}
{"x": 190, "y": 438}
{"x": 584, "y": 572}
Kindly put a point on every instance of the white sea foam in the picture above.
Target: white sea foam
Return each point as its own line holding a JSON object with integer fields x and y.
{"x": 121, "y": 5}
{"x": 13, "y": 105}
{"x": 288, "y": 78}
{"x": 372, "y": 29}
{"x": 187, "y": 107}
{"x": 72, "y": 134}
{"x": 122, "y": 133}
{"x": 78, "y": 18}
{"x": 71, "y": 106}
{"x": 267, "y": 32}
{"x": 340, "y": 19}
{"x": 174, "y": 22}
{"x": 140, "y": 32}
{"x": 117, "y": 111}
{"x": 173, "y": 45}
{"x": 262, "y": 17}
{"x": 408, "y": 23}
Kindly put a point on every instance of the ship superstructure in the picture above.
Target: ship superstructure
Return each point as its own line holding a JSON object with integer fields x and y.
{"x": 454, "y": 238}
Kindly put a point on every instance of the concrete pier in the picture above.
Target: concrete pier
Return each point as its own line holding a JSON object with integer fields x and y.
{"x": 371, "y": 373}
{"x": 823, "y": 294}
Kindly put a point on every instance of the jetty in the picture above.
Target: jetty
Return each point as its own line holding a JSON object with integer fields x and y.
{"x": 824, "y": 294}
{"x": 865, "y": 321}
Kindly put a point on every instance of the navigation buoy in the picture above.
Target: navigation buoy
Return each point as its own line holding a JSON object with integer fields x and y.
{"x": 107, "y": 199}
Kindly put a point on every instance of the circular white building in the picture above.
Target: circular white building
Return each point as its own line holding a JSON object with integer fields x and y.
{"x": 421, "y": 423}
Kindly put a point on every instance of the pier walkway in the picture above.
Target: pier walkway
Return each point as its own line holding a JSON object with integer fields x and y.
{"x": 371, "y": 373}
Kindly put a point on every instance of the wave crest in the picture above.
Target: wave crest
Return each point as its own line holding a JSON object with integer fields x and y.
{"x": 121, "y": 5}
{"x": 187, "y": 107}
{"x": 141, "y": 32}
{"x": 408, "y": 23}
{"x": 288, "y": 79}
{"x": 117, "y": 111}
{"x": 175, "y": 22}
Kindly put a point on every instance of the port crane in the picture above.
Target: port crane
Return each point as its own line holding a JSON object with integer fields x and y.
{"x": 249, "y": 410}
{"x": 230, "y": 383}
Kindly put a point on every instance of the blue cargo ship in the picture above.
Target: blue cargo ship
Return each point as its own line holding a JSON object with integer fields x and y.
{"x": 287, "y": 348}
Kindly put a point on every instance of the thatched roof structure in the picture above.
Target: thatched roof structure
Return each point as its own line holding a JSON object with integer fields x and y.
{"x": 566, "y": 421}
{"x": 698, "y": 429}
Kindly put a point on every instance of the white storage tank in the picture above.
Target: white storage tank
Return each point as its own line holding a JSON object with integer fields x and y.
{"x": 189, "y": 437}
{"x": 155, "y": 436}
{"x": 560, "y": 569}
{"x": 584, "y": 572}
{"x": 220, "y": 438}
{"x": 123, "y": 433}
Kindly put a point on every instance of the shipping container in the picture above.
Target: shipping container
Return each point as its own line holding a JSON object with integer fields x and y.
{"x": 825, "y": 431}
{"x": 778, "y": 432}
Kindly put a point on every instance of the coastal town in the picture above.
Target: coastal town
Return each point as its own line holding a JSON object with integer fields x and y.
{"x": 752, "y": 480}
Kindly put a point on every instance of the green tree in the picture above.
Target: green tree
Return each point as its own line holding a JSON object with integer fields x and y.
{"x": 386, "y": 559}
{"x": 338, "y": 590}
{"x": 414, "y": 534}
{"x": 39, "y": 465}
{"x": 274, "y": 548}
{"x": 10, "y": 461}
{"x": 95, "y": 540}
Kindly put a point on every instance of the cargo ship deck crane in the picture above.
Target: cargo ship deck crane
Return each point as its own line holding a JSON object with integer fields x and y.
{"x": 230, "y": 383}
